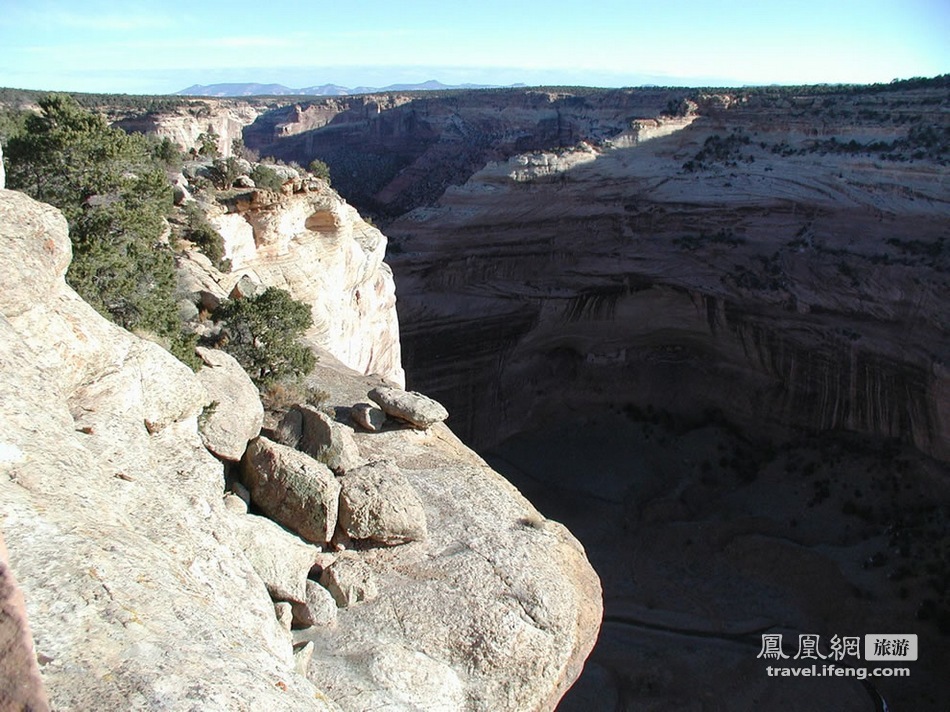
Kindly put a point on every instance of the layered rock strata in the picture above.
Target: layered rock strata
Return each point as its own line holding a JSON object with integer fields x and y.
{"x": 751, "y": 259}
{"x": 184, "y": 124}
{"x": 390, "y": 153}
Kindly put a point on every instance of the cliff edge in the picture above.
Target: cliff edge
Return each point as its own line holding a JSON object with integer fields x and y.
{"x": 148, "y": 586}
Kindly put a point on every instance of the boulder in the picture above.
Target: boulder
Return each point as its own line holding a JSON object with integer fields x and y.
{"x": 379, "y": 505}
{"x": 197, "y": 280}
{"x": 317, "y": 434}
{"x": 187, "y": 310}
{"x": 318, "y": 610}
{"x": 235, "y": 503}
{"x": 279, "y": 558}
{"x": 414, "y": 408}
{"x": 235, "y": 414}
{"x": 293, "y": 489}
{"x": 208, "y": 301}
{"x": 368, "y": 417}
{"x": 350, "y": 581}
{"x": 302, "y": 657}
{"x": 284, "y": 612}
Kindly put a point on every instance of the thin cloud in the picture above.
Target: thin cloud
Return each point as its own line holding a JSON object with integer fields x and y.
{"x": 109, "y": 23}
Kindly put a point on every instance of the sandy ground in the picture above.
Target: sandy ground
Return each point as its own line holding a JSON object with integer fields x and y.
{"x": 705, "y": 540}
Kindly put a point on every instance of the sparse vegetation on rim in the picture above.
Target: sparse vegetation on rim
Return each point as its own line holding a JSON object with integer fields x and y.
{"x": 115, "y": 196}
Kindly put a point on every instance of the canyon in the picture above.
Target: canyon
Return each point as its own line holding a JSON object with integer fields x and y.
{"x": 707, "y": 330}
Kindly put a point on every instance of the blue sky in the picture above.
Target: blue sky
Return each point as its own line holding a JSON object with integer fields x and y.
{"x": 150, "y": 47}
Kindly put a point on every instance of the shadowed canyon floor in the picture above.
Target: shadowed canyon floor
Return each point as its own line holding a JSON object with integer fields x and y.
{"x": 704, "y": 541}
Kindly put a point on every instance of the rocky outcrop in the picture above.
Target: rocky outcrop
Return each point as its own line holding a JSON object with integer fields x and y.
{"x": 111, "y": 507}
{"x": 190, "y": 118}
{"x": 137, "y": 572}
{"x": 491, "y": 574}
{"x": 314, "y": 245}
{"x": 739, "y": 260}
{"x": 20, "y": 685}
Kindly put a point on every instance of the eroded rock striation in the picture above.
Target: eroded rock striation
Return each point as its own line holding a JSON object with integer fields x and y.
{"x": 782, "y": 260}
{"x": 148, "y": 587}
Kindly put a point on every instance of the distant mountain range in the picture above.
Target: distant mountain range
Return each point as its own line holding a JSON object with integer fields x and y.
{"x": 249, "y": 89}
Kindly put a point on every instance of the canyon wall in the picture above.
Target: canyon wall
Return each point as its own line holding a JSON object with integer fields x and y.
{"x": 390, "y": 153}
{"x": 750, "y": 260}
{"x": 185, "y": 123}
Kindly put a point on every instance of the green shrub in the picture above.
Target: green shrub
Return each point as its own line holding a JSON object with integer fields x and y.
{"x": 167, "y": 153}
{"x": 266, "y": 177}
{"x": 206, "y": 145}
{"x": 320, "y": 169}
{"x": 263, "y": 334}
{"x": 199, "y": 231}
{"x": 224, "y": 171}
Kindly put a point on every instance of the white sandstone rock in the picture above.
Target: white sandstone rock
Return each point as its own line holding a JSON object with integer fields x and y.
{"x": 414, "y": 408}
{"x": 378, "y": 504}
{"x": 234, "y": 415}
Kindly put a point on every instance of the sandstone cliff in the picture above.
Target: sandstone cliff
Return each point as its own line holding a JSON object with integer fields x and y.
{"x": 192, "y": 118}
{"x": 390, "y": 153}
{"x": 748, "y": 258}
{"x": 313, "y": 244}
{"x": 148, "y": 587}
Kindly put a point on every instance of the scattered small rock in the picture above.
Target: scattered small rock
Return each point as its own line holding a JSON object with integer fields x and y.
{"x": 285, "y": 614}
{"x": 246, "y": 288}
{"x": 235, "y": 503}
{"x": 368, "y": 417}
{"x": 241, "y": 491}
{"x": 318, "y": 610}
{"x": 302, "y": 657}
